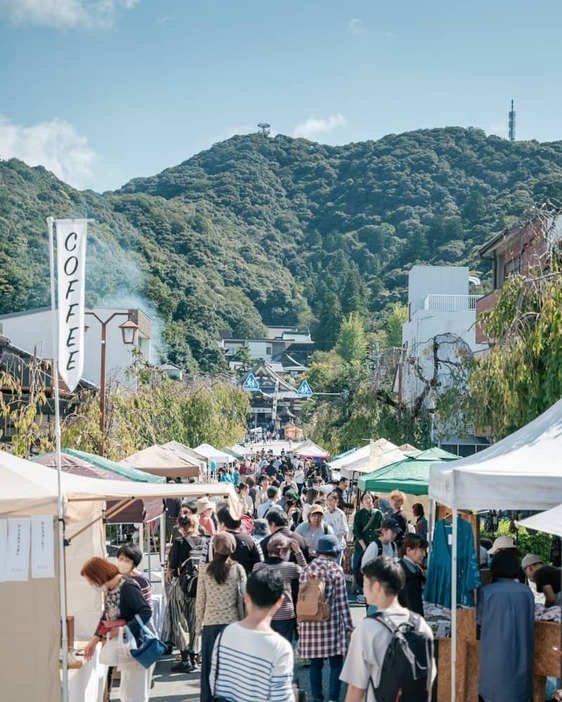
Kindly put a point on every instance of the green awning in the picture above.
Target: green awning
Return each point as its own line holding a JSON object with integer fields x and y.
{"x": 411, "y": 475}
{"x": 117, "y": 468}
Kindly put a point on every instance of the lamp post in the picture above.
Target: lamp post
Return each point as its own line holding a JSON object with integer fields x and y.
{"x": 129, "y": 330}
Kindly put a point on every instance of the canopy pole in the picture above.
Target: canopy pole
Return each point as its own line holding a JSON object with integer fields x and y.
{"x": 60, "y": 503}
{"x": 454, "y": 570}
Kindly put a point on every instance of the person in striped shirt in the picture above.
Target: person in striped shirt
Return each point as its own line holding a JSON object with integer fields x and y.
{"x": 251, "y": 662}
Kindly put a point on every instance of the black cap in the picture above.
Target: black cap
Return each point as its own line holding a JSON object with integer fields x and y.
{"x": 391, "y": 524}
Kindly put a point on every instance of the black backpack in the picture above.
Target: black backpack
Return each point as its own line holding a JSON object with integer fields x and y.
{"x": 406, "y": 674}
{"x": 189, "y": 569}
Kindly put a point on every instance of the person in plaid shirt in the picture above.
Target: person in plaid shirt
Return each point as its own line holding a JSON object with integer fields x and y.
{"x": 321, "y": 640}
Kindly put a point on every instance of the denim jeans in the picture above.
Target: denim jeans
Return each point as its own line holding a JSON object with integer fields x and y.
{"x": 316, "y": 665}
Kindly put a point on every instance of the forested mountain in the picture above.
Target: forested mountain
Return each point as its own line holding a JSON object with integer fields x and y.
{"x": 261, "y": 230}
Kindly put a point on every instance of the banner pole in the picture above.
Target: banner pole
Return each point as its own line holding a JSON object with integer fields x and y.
{"x": 60, "y": 510}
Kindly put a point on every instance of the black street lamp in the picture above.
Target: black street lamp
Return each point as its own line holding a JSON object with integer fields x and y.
{"x": 129, "y": 331}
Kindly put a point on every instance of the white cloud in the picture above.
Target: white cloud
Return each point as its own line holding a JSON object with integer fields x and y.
{"x": 65, "y": 13}
{"x": 313, "y": 126}
{"x": 356, "y": 26}
{"x": 56, "y": 145}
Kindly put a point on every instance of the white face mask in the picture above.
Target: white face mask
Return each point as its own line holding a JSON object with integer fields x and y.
{"x": 124, "y": 568}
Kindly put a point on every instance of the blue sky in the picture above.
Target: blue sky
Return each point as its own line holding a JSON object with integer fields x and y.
{"x": 102, "y": 91}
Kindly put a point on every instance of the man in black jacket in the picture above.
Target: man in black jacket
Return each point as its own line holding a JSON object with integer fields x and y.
{"x": 413, "y": 552}
{"x": 247, "y": 552}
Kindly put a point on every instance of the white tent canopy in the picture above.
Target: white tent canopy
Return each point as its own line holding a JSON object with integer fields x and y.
{"x": 30, "y": 488}
{"x": 309, "y": 449}
{"x": 522, "y": 471}
{"x": 160, "y": 460}
{"x": 374, "y": 455}
{"x": 182, "y": 448}
{"x": 214, "y": 454}
{"x": 549, "y": 522}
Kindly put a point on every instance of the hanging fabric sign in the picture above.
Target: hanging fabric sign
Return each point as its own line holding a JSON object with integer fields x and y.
{"x": 17, "y": 553}
{"x": 71, "y": 274}
{"x": 42, "y": 547}
{"x": 3, "y": 548}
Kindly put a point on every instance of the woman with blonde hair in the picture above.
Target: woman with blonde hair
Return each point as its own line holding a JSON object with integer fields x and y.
{"x": 123, "y": 600}
{"x": 219, "y": 600}
{"x": 397, "y": 500}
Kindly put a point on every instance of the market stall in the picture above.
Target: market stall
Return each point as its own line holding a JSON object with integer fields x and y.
{"x": 198, "y": 458}
{"x": 29, "y": 582}
{"x": 308, "y": 449}
{"x": 162, "y": 461}
{"x": 520, "y": 472}
{"x": 410, "y": 475}
{"x": 375, "y": 455}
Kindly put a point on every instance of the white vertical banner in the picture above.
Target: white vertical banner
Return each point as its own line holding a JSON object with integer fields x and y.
{"x": 17, "y": 554}
{"x": 71, "y": 275}
{"x": 42, "y": 546}
{"x": 3, "y": 548}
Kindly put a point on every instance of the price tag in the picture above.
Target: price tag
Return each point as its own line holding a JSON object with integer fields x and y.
{"x": 450, "y": 539}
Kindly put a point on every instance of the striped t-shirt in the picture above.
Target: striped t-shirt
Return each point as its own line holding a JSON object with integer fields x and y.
{"x": 253, "y": 666}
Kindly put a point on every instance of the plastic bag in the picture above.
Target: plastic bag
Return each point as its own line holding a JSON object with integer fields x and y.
{"x": 117, "y": 651}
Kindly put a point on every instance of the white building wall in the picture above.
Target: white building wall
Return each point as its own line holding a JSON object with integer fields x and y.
{"x": 32, "y": 332}
{"x": 439, "y": 303}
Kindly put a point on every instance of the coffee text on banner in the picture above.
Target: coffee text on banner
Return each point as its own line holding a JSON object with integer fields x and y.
{"x": 71, "y": 274}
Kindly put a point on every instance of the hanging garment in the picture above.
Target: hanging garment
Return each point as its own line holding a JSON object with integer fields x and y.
{"x": 438, "y": 584}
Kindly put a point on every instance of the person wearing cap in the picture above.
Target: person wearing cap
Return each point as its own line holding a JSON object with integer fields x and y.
{"x": 335, "y": 517}
{"x": 319, "y": 641}
{"x": 217, "y": 602}
{"x": 314, "y": 528}
{"x": 385, "y": 544}
{"x": 545, "y": 577}
{"x": 506, "y": 616}
{"x": 501, "y": 544}
{"x": 205, "y": 510}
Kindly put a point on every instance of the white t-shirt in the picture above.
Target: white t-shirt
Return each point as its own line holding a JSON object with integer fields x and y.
{"x": 372, "y": 552}
{"x": 367, "y": 650}
{"x": 253, "y": 666}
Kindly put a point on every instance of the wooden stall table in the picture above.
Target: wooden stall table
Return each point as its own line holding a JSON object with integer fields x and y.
{"x": 547, "y": 661}
{"x": 466, "y": 639}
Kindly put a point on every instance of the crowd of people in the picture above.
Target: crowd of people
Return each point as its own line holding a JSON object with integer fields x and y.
{"x": 257, "y": 581}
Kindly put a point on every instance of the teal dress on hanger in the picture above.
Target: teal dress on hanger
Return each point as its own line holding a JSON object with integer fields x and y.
{"x": 438, "y": 584}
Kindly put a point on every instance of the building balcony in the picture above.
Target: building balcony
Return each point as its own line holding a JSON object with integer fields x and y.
{"x": 451, "y": 303}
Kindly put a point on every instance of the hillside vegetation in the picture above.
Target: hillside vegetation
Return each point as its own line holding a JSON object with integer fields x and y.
{"x": 277, "y": 230}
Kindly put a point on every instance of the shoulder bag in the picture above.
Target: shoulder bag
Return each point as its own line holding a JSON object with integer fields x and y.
{"x": 151, "y": 649}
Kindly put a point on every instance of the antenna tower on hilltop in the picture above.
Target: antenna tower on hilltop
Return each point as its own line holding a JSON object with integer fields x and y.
{"x": 264, "y": 127}
{"x": 512, "y": 123}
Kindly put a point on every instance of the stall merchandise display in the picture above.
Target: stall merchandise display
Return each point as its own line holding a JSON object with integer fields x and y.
{"x": 438, "y": 585}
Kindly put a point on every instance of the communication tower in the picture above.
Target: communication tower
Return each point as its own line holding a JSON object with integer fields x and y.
{"x": 512, "y": 123}
{"x": 264, "y": 127}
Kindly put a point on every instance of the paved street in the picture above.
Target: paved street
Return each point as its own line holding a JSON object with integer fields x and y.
{"x": 178, "y": 687}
